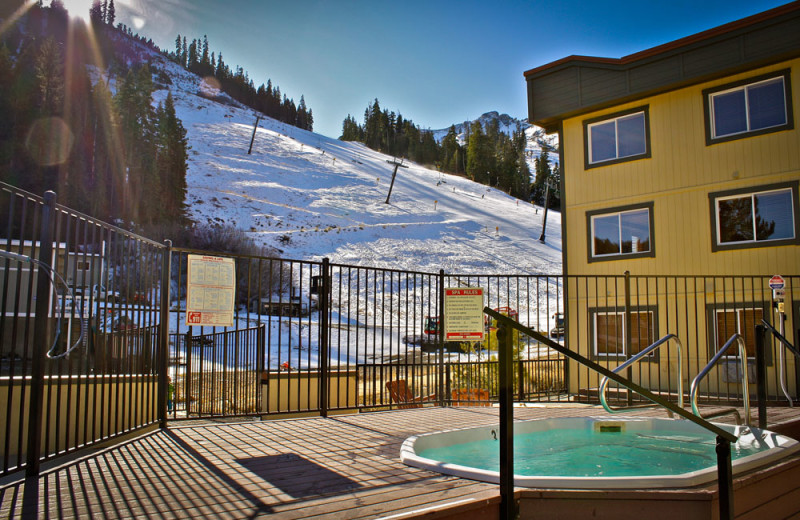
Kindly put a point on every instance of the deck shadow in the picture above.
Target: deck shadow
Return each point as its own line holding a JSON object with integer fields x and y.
{"x": 297, "y": 476}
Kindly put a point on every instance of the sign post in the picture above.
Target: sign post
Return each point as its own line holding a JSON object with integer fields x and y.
{"x": 777, "y": 284}
{"x": 463, "y": 314}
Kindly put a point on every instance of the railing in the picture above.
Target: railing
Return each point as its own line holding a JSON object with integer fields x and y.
{"x": 80, "y": 357}
{"x": 736, "y": 338}
{"x": 788, "y": 346}
{"x": 761, "y": 368}
{"x": 321, "y": 323}
{"x": 724, "y": 438}
{"x": 635, "y": 359}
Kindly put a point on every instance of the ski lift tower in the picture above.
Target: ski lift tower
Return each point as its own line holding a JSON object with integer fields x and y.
{"x": 549, "y": 185}
{"x": 394, "y": 174}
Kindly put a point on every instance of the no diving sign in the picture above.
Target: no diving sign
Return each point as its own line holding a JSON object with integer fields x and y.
{"x": 777, "y": 282}
{"x": 463, "y": 314}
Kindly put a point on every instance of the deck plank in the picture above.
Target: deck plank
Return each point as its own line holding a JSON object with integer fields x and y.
{"x": 340, "y": 467}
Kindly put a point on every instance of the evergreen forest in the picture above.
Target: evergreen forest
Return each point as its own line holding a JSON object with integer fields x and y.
{"x": 489, "y": 156}
{"x": 113, "y": 156}
{"x": 194, "y": 56}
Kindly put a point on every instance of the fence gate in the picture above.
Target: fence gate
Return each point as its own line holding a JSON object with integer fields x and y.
{"x": 217, "y": 374}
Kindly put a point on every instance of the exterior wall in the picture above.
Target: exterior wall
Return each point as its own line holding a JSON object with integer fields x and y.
{"x": 279, "y": 391}
{"x": 70, "y": 403}
{"x": 685, "y": 307}
{"x": 676, "y": 180}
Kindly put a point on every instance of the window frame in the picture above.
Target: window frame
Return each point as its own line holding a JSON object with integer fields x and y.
{"x": 712, "y": 331}
{"x": 708, "y": 93}
{"x": 590, "y": 215}
{"x": 713, "y": 197}
{"x": 588, "y": 164}
{"x": 652, "y": 310}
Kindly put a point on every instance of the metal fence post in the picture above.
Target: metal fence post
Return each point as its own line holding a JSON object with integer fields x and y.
{"x": 40, "y": 335}
{"x": 324, "y": 306}
{"x": 440, "y": 384}
{"x": 163, "y": 335}
{"x": 628, "y": 335}
{"x": 724, "y": 478}
{"x": 506, "y": 375}
{"x": 761, "y": 376}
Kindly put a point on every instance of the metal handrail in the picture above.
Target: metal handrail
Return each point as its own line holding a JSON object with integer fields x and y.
{"x": 561, "y": 349}
{"x": 791, "y": 348}
{"x": 788, "y": 346}
{"x": 636, "y": 358}
{"x": 736, "y": 338}
{"x": 724, "y": 437}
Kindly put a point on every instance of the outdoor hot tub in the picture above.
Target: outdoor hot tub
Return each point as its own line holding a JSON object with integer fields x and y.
{"x": 596, "y": 453}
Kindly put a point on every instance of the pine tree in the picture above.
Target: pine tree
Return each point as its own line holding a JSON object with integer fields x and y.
{"x": 96, "y": 12}
{"x": 172, "y": 160}
{"x": 111, "y": 13}
{"x": 191, "y": 62}
{"x": 178, "y": 49}
{"x": 7, "y": 112}
{"x": 477, "y": 154}
{"x": 350, "y": 129}
{"x": 50, "y": 77}
{"x": 185, "y": 54}
{"x": 220, "y": 73}
{"x": 542, "y": 174}
{"x": 205, "y": 63}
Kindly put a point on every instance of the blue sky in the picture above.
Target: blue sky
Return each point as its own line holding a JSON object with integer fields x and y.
{"x": 436, "y": 62}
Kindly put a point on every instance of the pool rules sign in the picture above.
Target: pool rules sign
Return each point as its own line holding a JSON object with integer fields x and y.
{"x": 463, "y": 314}
{"x": 210, "y": 287}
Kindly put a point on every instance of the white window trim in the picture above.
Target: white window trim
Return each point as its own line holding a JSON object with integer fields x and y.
{"x": 753, "y": 215}
{"x": 732, "y": 352}
{"x": 619, "y": 223}
{"x": 624, "y": 335}
{"x": 745, "y": 88}
{"x": 616, "y": 137}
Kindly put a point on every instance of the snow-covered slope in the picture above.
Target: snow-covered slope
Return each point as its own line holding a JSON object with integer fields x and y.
{"x": 313, "y": 196}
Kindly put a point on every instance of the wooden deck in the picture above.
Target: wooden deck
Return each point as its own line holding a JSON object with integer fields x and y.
{"x": 343, "y": 467}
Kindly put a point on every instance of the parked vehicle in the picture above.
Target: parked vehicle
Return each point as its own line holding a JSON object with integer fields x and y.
{"x": 428, "y": 341}
{"x": 139, "y": 298}
{"x": 558, "y": 330}
{"x": 291, "y": 307}
{"x": 98, "y": 293}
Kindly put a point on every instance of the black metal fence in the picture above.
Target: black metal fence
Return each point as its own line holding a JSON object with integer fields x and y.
{"x": 611, "y": 318}
{"x": 317, "y": 337}
{"x": 80, "y": 329}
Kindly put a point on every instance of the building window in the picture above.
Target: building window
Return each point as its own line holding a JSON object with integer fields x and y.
{"x": 752, "y": 107}
{"x": 616, "y": 138}
{"x": 621, "y": 232}
{"x": 749, "y": 217}
{"x": 737, "y": 321}
{"x": 609, "y": 333}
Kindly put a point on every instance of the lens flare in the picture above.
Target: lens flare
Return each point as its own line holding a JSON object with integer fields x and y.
{"x": 49, "y": 141}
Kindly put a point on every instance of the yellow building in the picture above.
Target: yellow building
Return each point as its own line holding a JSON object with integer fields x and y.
{"x": 680, "y": 166}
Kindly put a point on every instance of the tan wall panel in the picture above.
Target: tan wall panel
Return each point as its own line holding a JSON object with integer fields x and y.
{"x": 682, "y": 172}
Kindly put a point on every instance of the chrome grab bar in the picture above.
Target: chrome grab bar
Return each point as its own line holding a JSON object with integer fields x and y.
{"x": 637, "y": 357}
{"x": 745, "y": 380}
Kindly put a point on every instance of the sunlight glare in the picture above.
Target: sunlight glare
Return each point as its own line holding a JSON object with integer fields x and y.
{"x": 78, "y": 8}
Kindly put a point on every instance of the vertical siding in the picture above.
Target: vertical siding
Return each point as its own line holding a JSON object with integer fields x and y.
{"x": 678, "y": 177}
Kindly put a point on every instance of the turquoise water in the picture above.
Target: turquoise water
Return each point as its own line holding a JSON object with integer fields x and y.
{"x": 585, "y": 453}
